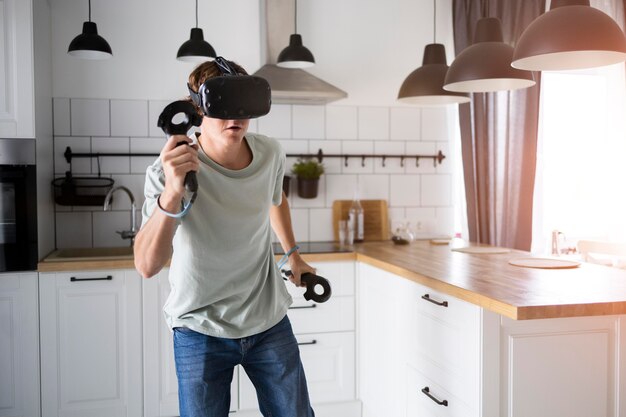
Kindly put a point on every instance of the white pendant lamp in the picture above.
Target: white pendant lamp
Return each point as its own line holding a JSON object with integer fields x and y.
{"x": 90, "y": 45}
{"x": 485, "y": 66}
{"x": 295, "y": 55}
{"x": 196, "y": 49}
{"x": 424, "y": 86}
{"x": 572, "y": 35}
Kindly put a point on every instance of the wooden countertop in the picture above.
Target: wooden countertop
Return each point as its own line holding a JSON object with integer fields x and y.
{"x": 487, "y": 280}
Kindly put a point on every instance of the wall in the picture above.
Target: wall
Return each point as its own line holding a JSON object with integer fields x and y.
{"x": 364, "y": 47}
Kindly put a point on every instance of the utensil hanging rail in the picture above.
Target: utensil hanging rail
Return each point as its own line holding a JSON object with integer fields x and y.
{"x": 320, "y": 155}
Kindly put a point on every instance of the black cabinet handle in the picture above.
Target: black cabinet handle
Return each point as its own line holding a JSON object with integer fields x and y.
{"x": 107, "y": 278}
{"x": 298, "y": 307}
{"x": 427, "y": 393}
{"x": 312, "y": 342}
{"x": 427, "y": 298}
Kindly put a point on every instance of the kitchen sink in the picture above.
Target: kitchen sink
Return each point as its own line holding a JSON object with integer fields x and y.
{"x": 90, "y": 254}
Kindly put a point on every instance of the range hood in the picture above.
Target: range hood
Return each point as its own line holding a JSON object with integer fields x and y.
{"x": 289, "y": 86}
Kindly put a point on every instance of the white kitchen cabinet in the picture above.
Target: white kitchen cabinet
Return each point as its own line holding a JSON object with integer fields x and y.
{"x": 19, "y": 345}
{"x": 160, "y": 382}
{"x": 17, "y": 114}
{"x": 91, "y": 351}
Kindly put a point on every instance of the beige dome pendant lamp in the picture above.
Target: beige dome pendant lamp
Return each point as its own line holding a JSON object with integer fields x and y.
{"x": 571, "y": 35}
{"x": 424, "y": 86}
{"x": 485, "y": 66}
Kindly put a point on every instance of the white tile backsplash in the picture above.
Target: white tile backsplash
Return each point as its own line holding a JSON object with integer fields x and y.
{"x": 374, "y": 123}
{"x": 415, "y": 194}
{"x": 90, "y": 117}
{"x": 129, "y": 118}
{"x": 308, "y": 122}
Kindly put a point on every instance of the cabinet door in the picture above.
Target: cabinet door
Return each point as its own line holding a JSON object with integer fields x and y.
{"x": 160, "y": 382}
{"x": 16, "y": 69}
{"x": 91, "y": 344}
{"x": 328, "y": 361}
{"x": 559, "y": 367}
{"x": 19, "y": 342}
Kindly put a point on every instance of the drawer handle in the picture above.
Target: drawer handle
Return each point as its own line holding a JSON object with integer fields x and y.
{"x": 107, "y": 278}
{"x": 427, "y": 393}
{"x": 298, "y": 307}
{"x": 312, "y": 342}
{"x": 427, "y": 298}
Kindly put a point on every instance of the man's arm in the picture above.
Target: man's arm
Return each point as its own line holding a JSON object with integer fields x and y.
{"x": 280, "y": 218}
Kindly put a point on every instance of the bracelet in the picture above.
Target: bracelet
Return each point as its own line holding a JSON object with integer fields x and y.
{"x": 285, "y": 257}
{"x": 184, "y": 211}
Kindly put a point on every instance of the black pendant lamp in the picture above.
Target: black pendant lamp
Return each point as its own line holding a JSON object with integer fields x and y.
{"x": 89, "y": 45}
{"x": 196, "y": 49}
{"x": 485, "y": 66}
{"x": 424, "y": 86}
{"x": 296, "y": 55}
{"x": 571, "y": 35}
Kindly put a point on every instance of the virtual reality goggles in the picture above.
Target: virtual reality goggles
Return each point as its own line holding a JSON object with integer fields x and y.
{"x": 233, "y": 95}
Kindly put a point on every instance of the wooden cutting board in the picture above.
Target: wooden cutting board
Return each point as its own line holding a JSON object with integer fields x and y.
{"x": 375, "y": 218}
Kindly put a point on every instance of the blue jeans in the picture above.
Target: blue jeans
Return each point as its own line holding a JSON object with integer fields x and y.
{"x": 205, "y": 364}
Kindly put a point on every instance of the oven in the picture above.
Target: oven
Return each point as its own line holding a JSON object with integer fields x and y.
{"x": 18, "y": 205}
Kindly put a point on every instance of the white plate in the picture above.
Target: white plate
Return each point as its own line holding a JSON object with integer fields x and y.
{"x": 544, "y": 263}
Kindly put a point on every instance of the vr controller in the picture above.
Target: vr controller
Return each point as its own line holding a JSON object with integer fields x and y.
{"x": 229, "y": 96}
{"x": 311, "y": 281}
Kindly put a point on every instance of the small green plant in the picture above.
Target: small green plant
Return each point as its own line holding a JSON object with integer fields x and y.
{"x": 307, "y": 169}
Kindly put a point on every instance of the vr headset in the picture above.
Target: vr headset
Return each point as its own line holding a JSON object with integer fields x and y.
{"x": 233, "y": 95}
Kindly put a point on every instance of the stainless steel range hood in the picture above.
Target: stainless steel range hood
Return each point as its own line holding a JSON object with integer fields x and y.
{"x": 290, "y": 86}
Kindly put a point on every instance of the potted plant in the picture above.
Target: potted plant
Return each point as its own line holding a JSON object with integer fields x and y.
{"x": 308, "y": 172}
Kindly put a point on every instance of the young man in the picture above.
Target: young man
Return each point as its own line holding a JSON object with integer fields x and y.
{"x": 228, "y": 302}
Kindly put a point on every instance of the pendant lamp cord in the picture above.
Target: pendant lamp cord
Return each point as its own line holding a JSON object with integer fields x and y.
{"x": 435, "y": 21}
{"x": 196, "y": 13}
{"x": 90, "y": 10}
{"x": 295, "y": 18}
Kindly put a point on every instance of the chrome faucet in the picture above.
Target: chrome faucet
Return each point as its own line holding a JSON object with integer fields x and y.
{"x": 126, "y": 234}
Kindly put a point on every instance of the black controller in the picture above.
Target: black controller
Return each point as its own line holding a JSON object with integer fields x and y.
{"x": 311, "y": 281}
{"x": 192, "y": 118}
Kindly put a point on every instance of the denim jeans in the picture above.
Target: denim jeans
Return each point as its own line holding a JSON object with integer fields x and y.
{"x": 205, "y": 364}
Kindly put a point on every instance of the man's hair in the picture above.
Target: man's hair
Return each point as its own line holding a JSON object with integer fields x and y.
{"x": 205, "y": 71}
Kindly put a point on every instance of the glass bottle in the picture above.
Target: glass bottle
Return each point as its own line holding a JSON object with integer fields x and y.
{"x": 355, "y": 216}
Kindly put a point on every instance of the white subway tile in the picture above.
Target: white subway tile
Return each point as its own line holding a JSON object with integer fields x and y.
{"x": 300, "y": 223}
{"x": 389, "y": 165}
{"x": 374, "y": 123}
{"x": 293, "y": 146}
{"x": 135, "y": 183}
{"x": 373, "y": 187}
{"x": 341, "y": 122}
{"x": 155, "y": 107}
{"x": 77, "y": 145}
{"x": 405, "y": 123}
{"x": 253, "y": 127}
{"x": 331, "y": 165}
{"x": 422, "y": 221}
{"x": 426, "y": 165}
{"x": 321, "y": 225}
{"x": 436, "y": 190}
{"x": 308, "y": 122}
{"x": 111, "y": 164}
{"x": 61, "y": 109}
{"x": 405, "y": 190}
{"x": 73, "y": 230}
{"x": 339, "y": 187}
{"x": 277, "y": 123}
{"x": 357, "y": 165}
{"x": 438, "y": 123}
{"x": 138, "y": 164}
{"x": 105, "y": 226}
{"x": 129, "y": 118}
{"x": 444, "y": 224}
{"x": 90, "y": 117}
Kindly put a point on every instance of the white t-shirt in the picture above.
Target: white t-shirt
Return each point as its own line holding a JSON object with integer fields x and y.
{"x": 224, "y": 280}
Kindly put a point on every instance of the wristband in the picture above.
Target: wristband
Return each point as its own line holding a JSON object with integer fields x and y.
{"x": 285, "y": 257}
{"x": 184, "y": 211}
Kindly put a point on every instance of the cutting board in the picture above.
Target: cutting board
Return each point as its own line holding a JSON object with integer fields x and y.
{"x": 375, "y": 218}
